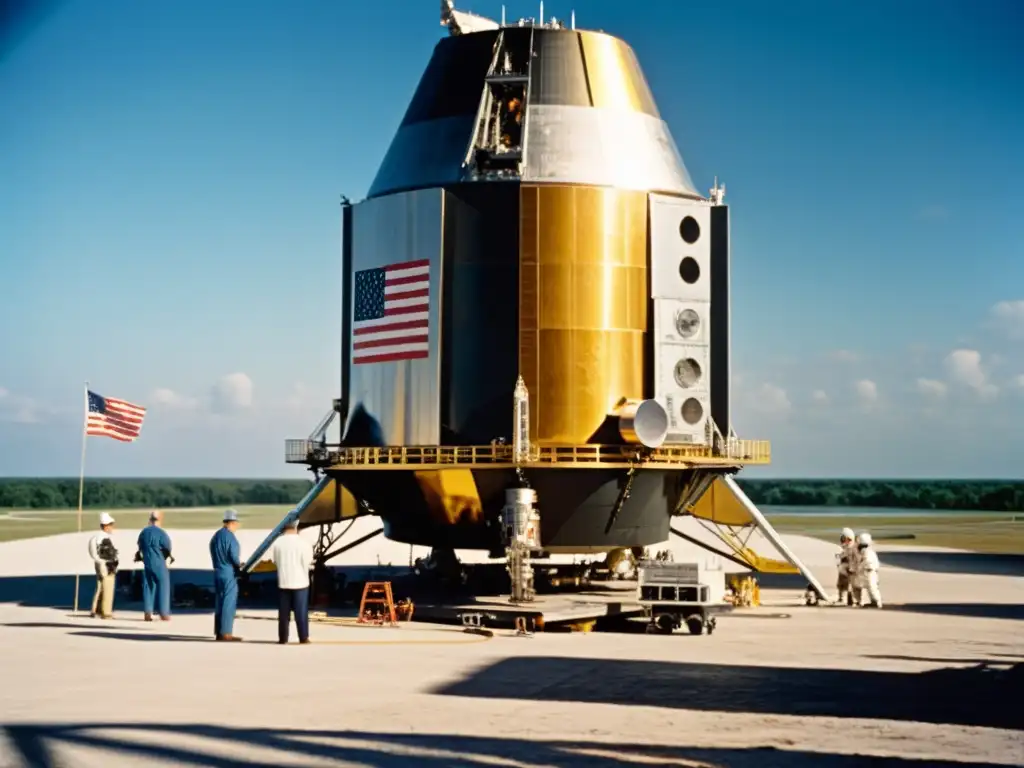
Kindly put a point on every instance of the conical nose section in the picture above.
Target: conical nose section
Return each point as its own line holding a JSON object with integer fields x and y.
{"x": 534, "y": 105}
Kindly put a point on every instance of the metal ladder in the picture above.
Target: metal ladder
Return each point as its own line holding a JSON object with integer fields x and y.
{"x": 485, "y": 130}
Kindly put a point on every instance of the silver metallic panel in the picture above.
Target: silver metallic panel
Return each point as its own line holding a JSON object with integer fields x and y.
{"x": 603, "y": 147}
{"x": 405, "y": 395}
{"x": 682, "y": 313}
{"x": 557, "y": 75}
{"x": 426, "y": 154}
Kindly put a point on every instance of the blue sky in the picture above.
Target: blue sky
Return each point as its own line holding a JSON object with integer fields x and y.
{"x": 169, "y": 222}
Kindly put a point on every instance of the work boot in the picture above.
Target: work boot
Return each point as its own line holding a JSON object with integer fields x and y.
{"x": 229, "y": 638}
{"x": 307, "y": 641}
{"x": 147, "y": 617}
{"x": 165, "y": 618}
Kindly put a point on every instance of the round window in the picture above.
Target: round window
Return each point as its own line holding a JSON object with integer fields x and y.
{"x": 687, "y": 372}
{"x": 689, "y": 229}
{"x": 687, "y": 323}
{"x": 692, "y": 410}
{"x": 689, "y": 270}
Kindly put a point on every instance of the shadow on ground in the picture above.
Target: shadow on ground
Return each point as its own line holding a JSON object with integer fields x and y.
{"x": 38, "y": 746}
{"x": 995, "y": 658}
{"x": 59, "y": 591}
{"x": 1011, "y": 611}
{"x": 975, "y": 563}
{"x": 954, "y": 696}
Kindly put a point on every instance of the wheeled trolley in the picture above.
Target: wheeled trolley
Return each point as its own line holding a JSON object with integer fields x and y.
{"x": 677, "y": 594}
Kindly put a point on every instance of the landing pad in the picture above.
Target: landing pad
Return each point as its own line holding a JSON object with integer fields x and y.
{"x": 548, "y": 611}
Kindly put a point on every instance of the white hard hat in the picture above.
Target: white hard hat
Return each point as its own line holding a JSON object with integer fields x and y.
{"x": 846, "y": 533}
{"x": 864, "y": 538}
{"x": 106, "y": 519}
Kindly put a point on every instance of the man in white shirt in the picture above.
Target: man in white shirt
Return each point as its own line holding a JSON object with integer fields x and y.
{"x": 293, "y": 557}
{"x": 104, "y": 559}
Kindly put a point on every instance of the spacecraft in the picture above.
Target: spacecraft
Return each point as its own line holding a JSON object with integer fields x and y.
{"x": 536, "y": 296}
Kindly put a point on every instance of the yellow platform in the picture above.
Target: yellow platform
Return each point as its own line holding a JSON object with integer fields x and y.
{"x": 736, "y": 453}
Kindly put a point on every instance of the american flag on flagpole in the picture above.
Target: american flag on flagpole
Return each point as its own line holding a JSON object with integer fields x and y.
{"x": 118, "y": 419}
{"x": 392, "y": 313}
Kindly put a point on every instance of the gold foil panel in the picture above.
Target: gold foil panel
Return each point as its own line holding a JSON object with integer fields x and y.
{"x": 451, "y": 495}
{"x": 616, "y": 80}
{"x": 325, "y": 507}
{"x": 582, "y": 305}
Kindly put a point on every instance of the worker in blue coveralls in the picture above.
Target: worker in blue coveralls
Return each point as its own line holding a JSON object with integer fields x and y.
{"x": 224, "y": 554}
{"x": 154, "y": 551}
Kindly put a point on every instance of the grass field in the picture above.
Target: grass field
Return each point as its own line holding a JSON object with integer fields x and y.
{"x": 987, "y": 532}
{"x": 979, "y": 532}
{"x": 32, "y": 523}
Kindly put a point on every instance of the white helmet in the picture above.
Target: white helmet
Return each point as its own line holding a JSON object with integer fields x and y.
{"x": 864, "y": 539}
{"x": 846, "y": 533}
{"x": 106, "y": 519}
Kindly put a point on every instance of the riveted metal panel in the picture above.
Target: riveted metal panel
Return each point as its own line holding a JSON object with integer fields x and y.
{"x": 451, "y": 83}
{"x": 427, "y": 154}
{"x": 481, "y": 271}
{"x": 616, "y": 80}
{"x": 603, "y": 147}
{"x": 557, "y": 75}
{"x": 582, "y": 306}
{"x": 402, "y": 396}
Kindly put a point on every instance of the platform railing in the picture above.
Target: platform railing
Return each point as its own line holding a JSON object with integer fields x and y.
{"x": 733, "y": 451}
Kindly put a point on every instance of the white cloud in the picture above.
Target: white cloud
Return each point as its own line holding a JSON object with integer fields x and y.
{"x": 1018, "y": 381}
{"x": 867, "y": 391}
{"x": 769, "y": 398}
{"x": 19, "y": 410}
{"x": 932, "y": 388}
{"x": 964, "y": 367}
{"x": 171, "y": 399}
{"x": 232, "y": 392}
{"x": 819, "y": 396}
{"x": 1008, "y": 316}
{"x": 844, "y": 356}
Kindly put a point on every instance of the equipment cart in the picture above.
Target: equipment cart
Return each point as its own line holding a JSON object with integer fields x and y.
{"x": 673, "y": 594}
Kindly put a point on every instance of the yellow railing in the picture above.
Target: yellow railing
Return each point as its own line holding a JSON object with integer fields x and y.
{"x": 733, "y": 453}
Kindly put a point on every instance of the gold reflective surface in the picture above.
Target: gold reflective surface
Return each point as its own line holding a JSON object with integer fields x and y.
{"x": 616, "y": 80}
{"x": 324, "y": 508}
{"x": 720, "y": 506}
{"x": 582, "y": 305}
{"x": 451, "y": 495}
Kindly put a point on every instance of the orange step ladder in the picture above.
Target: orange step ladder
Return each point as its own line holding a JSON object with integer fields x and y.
{"x": 377, "y": 593}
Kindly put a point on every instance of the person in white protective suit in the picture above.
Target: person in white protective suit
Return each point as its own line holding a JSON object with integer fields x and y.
{"x": 867, "y": 569}
{"x": 846, "y": 560}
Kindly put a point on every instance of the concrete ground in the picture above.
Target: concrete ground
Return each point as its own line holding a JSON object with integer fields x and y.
{"x": 932, "y": 679}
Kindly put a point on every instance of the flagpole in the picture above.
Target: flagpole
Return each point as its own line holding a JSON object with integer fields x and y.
{"x": 81, "y": 477}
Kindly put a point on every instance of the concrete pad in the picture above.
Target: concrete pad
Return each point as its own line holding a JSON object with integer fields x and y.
{"x": 66, "y": 553}
{"x": 934, "y": 676}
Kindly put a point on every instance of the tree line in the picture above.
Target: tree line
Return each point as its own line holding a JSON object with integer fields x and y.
{"x": 967, "y": 495}
{"x": 59, "y": 493}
